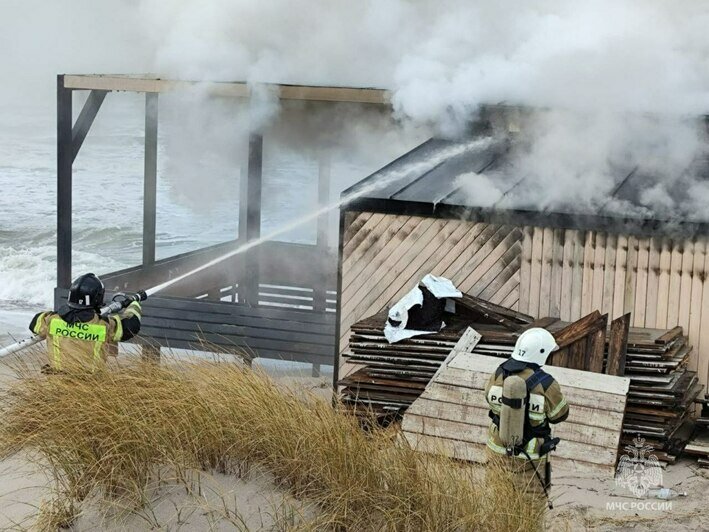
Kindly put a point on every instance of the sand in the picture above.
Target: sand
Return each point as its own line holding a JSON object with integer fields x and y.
{"x": 253, "y": 502}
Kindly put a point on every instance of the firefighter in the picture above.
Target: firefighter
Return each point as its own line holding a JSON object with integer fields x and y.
{"x": 77, "y": 336}
{"x": 538, "y": 404}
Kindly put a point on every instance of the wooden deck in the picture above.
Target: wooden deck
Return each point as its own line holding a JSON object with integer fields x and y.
{"x": 293, "y": 319}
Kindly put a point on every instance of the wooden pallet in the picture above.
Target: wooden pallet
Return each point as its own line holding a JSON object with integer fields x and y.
{"x": 661, "y": 394}
{"x": 451, "y": 416}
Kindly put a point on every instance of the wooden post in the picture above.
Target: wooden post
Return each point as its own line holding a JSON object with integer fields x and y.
{"x": 150, "y": 174}
{"x": 338, "y": 313}
{"x": 150, "y": 353}
{"x": 250, "y": 220}
{"x": 320, "y": 291}
{"x": 65, "y": 157}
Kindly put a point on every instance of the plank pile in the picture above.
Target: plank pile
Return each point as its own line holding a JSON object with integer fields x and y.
{"x": 392, "y": 376}
{"x": 662, "y": 390}
{"x": 451, "y": 415}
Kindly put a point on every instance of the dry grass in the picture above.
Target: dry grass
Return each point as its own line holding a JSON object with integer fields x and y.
{"x": 112, "y": 435}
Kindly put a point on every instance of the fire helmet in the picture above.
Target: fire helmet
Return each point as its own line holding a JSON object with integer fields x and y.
{"x": 534, "y": 346}
{"x": 86, "y": 292}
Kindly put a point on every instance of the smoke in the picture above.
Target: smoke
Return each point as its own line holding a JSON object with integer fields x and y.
{"x": 621, "y": 78}
{"x": 40, "y": 39}
{"x": 618, "y": 81}
{"x": 601, "y": 162}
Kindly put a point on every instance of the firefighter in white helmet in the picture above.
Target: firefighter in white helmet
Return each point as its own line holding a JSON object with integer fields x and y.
{"x": 539, "y": 404}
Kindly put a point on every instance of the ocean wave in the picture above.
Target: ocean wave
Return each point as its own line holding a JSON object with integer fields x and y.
{"x": 28, "y": 274}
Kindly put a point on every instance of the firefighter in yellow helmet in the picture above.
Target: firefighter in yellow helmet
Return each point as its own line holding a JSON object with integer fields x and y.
{"x": 540, "y": 403}
{"x": 77, "y": 335}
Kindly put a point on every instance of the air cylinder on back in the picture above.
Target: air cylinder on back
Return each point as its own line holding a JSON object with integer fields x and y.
{"x": 512, "y": 412}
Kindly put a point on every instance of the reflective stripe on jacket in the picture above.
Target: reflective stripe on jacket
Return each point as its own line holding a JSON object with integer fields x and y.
{"x": 81, "y": 343}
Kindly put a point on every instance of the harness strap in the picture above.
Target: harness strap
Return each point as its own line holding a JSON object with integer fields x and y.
{"x": 530, "y": 432}
{"x": 539, "y": 377}
{"x": 514, "y": 403}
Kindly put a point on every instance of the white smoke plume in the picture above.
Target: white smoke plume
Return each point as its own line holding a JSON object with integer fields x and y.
{"x": 604, "y": 67}
{"x": 621, "y": 76}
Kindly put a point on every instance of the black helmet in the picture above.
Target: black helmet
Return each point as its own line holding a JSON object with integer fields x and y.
{"x": 86, "y": 292}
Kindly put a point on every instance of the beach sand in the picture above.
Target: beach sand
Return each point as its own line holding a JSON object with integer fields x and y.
{"x": 254, "y": 502}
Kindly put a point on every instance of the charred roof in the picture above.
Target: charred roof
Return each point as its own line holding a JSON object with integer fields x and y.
{"x": 430, "y": 180}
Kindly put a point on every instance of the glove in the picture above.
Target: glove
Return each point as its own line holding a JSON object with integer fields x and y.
{"x": 134, "y": 309}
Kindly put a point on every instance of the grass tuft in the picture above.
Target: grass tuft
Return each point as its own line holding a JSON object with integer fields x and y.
{"x": 114, "y": 434}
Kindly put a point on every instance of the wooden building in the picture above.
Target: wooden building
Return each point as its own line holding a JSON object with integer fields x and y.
{"x": 412, "y": 218}
{"x": 277, "y": 300}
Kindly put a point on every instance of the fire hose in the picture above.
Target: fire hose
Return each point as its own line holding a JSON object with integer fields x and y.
{"x": 119, "y": 301}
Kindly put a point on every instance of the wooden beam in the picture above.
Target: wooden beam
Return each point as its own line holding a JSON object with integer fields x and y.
{"x": 85, "y": 120}
{"x": 228, "y": 88}
{"x": 597, "y": 346}
{"x": 577, "y": 330}
{"x": 468, "y": 340}
{"x": 150, "y": 177}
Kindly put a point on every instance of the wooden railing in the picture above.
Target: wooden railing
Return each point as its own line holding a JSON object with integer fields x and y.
{"x": 293, "y": 318}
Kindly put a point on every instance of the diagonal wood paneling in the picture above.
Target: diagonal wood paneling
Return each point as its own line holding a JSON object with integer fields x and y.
{"x": 539, "y": 271}
{"x": 384, "y": 260}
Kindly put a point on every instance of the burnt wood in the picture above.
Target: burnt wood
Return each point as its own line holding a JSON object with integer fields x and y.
{"x": 596, "y": 346}
{"x": 578, "y": 329}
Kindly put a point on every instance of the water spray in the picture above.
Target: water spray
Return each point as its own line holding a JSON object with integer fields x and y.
{"x": 388, "y": 178}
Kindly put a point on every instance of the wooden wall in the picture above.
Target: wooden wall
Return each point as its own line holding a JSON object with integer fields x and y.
{"x": 539, "y": 271}
{"x": 384, "y": 256}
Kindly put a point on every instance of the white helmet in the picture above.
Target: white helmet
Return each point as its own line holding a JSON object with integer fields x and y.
{"x": 534, "y": 345}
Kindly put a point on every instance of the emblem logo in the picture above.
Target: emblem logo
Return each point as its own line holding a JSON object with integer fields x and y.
{"x": 638, "y": 469}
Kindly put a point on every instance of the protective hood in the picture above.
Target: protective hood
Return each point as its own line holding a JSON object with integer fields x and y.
{"x": 71, "y": 315}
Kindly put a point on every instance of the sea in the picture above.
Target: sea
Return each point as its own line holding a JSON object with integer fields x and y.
{"x": 197, "y": 195}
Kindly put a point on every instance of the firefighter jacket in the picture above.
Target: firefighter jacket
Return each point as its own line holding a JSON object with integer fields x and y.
{"x": 81, "y": 338}
{"x": 546, "y": 404}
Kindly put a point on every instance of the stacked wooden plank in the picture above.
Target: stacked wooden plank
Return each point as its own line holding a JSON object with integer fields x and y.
{"x": 451, "y": 415}
{"x": 662, "y": 390}
{"x": 391, "y": 376}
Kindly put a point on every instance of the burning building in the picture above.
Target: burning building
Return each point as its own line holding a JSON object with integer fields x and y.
{"x": 564, "y": 260}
